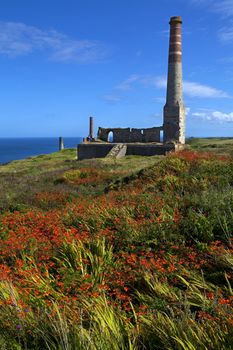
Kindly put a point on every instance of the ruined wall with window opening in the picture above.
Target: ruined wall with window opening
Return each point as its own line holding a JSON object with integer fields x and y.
{"x": 125, "y": 135}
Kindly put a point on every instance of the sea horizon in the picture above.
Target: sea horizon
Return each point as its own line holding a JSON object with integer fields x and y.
{"x": 17, "y": 148}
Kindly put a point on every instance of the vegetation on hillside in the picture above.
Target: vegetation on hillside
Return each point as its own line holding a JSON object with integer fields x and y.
{"x": 220, "y": 145}
{"x": 117, "y": 254}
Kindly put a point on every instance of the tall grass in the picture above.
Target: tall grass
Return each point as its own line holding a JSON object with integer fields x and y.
{"x": 136, "y": 259}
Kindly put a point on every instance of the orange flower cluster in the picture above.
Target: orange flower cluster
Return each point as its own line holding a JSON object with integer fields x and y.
{"x": 195, "y": 156}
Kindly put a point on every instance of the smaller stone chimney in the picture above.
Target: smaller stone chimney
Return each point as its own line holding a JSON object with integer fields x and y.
{"x": 91, "y": 129}
{"x": 61, "y": 143}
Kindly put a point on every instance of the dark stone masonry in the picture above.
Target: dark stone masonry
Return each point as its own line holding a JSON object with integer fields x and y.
{"x": 130, "y": 135}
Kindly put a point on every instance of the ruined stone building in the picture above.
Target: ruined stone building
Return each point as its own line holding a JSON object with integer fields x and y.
{"x": 148, "y": 141}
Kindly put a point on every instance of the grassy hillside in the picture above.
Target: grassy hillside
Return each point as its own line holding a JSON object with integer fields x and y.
{"x": 117, "y": 254}
{"x": 220, "y": 145}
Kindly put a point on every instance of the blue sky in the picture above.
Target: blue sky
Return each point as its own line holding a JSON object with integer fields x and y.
{"x": 62, "y": 61}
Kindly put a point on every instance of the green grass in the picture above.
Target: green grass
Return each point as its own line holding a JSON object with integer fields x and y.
{"x": 23, "y": 179}
{"x": 126, "y": 254}
{"x": 40, "y": 164}
{"x": 219, "y": 145}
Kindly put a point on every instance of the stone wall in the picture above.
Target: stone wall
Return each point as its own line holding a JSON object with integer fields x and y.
{"x": 174, "y": 123}
{"x": 100, "y": 150}
{"x": 126, "y": 135}
{"x": 93, "y": 150}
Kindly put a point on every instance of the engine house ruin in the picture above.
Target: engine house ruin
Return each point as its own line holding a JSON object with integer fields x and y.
{"x": 147, "y": 141}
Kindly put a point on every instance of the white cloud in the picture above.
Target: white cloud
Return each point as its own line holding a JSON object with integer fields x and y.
{"x": 200, "y": 114}
{"x": 225, "y": 34}
{"x": 194, "y": 89}
{"x": 159, "y": 99}
{"x": 112, "y": 98}
{"x": 127, "y": 84}
{"x": 224, "y": 7}
{"x": 19, "y": 39}
{"x": 214, "y": 116}
{"x": 223, "y": 116}
{"x": 199, "y": 2}
{"x": 142, "y": 79}
{"x": 190, "y": 89}
{"x": 160, "y": 82}
{"x": 164, "y": 32}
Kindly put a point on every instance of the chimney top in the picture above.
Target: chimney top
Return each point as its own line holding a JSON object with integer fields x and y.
{"x": 175, "y": 20}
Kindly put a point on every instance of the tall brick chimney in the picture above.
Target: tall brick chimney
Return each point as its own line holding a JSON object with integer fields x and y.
{"x": 174, "y": 110}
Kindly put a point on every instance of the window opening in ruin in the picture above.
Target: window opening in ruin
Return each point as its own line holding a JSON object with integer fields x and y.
{"x": 142, "y": 132}
{"x": 161, "y": 135}
{"x": 110, "y": 136}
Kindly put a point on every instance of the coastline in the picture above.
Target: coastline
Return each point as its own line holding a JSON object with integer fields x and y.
{"x": 12, "y": 149}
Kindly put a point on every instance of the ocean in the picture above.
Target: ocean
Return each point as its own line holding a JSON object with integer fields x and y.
{"x": 20, "y": 148}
